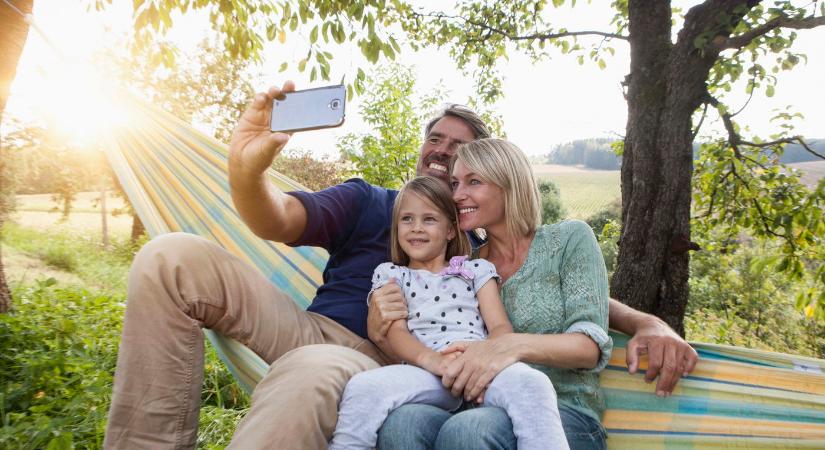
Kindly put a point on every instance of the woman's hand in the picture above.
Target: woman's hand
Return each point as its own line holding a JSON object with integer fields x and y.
{"x": 479, "y": 363}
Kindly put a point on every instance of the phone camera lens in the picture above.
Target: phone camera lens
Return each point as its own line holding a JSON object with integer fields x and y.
{"x": 335, "y": 104}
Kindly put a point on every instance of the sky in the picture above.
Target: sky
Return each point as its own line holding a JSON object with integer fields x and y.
{"x": 545, "y": 104}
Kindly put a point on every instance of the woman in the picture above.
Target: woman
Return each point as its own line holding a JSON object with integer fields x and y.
{"x": 555, "y": 293}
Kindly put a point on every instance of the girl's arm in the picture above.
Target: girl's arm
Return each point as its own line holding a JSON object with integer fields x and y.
{"x": 492, "y": 310}
{"x": 412, "y": 351}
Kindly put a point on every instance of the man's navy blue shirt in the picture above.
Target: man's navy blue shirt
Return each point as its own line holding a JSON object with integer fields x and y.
{"x": 352, "y": 222}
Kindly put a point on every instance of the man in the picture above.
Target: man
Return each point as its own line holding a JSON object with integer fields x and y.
{"x": 180, "y": 284}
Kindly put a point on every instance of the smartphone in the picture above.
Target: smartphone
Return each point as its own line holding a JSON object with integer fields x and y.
{"x": 310, "y": 109}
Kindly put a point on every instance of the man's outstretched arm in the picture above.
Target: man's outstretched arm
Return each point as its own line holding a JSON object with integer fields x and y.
{"x": 669, "y": 356}
{"x": 266, "y": 210}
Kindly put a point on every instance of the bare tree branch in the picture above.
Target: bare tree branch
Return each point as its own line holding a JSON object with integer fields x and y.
{"x": 745, "y": 38}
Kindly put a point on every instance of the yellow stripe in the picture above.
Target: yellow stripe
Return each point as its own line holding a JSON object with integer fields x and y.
{"x": 690, "y": 423}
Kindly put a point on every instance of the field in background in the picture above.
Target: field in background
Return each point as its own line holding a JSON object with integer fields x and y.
{"x": 584, "y": 192}
{"x": 37, "y": 212}
{"x": 812, "y": 172}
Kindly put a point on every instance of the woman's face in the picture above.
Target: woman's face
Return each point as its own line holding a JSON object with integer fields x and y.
{"x": 480, "y": 203}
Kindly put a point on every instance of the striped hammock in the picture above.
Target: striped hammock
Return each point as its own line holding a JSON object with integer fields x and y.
{"x": 176, "y": 178}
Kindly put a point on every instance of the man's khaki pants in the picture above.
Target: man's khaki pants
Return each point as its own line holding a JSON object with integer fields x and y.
{"x": 181, "y": 283}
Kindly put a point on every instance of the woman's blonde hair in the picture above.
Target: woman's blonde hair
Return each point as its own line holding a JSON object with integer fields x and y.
{"x": 503, "y": 164}
{"x": 436, "y": 192}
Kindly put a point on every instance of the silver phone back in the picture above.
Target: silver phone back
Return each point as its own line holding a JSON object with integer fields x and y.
{"x": 309, "y": 109}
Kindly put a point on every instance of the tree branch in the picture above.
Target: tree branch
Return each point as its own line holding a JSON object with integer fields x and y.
{"x": 514, "y": 37}
{"x": 745, "y": 38}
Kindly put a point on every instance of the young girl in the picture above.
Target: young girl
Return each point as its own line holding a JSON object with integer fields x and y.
{"x": 450, "y": 299}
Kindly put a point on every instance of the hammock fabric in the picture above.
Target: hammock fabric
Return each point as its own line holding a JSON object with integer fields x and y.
{"x": 176, "y": 178}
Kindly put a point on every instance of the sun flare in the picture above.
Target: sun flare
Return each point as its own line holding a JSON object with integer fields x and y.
{"x": 83, "y": 107}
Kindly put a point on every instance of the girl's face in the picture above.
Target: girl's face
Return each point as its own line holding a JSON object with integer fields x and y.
{"x": 480, "y": 203}
{"x": 423, "y": 231}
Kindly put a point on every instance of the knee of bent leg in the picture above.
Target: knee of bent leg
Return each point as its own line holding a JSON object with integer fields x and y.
{"x": 326, "y": 366}
{"x": 520, "y": 378}
{"x": 170, "y": 247}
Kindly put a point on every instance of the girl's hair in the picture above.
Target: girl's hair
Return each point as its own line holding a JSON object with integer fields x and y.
{"x": 503, "y": 164}
{"x": 436, "y": 192}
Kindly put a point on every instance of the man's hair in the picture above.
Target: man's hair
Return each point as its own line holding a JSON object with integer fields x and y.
{"x": 435, "y": 192}
{"x": 503, "y": 164}
{"x": 476, "y": 123}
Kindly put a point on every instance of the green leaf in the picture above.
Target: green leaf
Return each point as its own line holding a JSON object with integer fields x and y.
{"x": 313, "y": 35}
{"x": 769, "y": 90}
{"x": 283, "y": 67}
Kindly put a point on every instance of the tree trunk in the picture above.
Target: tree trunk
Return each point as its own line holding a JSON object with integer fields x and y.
{"x": 104, "y": 218}
{"x": 137, "y": 228}
{"x": 15, "y": 31}
{"x": 665, "y": 86}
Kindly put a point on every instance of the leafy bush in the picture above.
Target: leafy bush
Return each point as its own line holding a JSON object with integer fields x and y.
{"x": 736, "y": 299}
{"x": 59, "y": 257}
{"x": 58, "y": 349}
{"x": 551, "y": 208}
{"x": 611, "y": 212}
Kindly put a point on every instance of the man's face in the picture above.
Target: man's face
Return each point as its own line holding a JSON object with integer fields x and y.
{"x": 440, "y": 145}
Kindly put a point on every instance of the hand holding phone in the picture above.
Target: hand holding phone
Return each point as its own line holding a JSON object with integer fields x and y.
{"x": 309, "y": 109}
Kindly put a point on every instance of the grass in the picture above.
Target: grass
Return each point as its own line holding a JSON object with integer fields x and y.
{"x": 79, "y": 254}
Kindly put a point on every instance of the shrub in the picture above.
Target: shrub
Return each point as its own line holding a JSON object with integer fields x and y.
{"x": 59, "y": 257}
{"x": 737, "y": 300}
{"x": 611, "y": 212}
{"x": 58, "y": 349}
{"x": 551, "y": 208}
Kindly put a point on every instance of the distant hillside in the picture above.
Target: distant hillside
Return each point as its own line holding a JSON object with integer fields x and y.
{"x": 811, "y": 172}
{"x": 596, "y": 153}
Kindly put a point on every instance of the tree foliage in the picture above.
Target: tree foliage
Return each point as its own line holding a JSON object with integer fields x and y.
{"x": 314, "y": 174}
{"x": 206, "y": 87}
{"x": 41, "y": 163}
{"x": 388, "y": 156}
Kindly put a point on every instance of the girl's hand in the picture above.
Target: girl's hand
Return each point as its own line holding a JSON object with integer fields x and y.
{"x": 436, "y": 363}
{"x": 480, "y": 362}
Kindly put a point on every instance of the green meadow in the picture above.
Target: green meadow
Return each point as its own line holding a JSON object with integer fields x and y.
{"x": 584, "y": 192}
